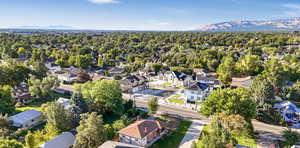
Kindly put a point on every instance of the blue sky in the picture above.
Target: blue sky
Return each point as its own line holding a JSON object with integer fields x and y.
{"x": 140, "y": 14}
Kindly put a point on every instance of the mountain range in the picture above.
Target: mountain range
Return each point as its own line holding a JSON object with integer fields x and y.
{"x": 291, "y": 24}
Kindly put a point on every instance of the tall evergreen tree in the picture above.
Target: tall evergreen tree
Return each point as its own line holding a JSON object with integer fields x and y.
{"x": 91, "y": 132}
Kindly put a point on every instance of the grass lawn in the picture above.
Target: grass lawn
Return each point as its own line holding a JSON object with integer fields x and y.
{"x": 167, "y": 84}
{"x": 175, "y": 99}
{"x": 173, "y": 140}
{"x": 179, "y": 101}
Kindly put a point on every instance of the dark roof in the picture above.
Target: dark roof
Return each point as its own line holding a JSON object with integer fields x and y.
{"x": 198, "y": 86}
{"x": 134, "y": 80}
{"x": 179, "y": 75}
{"x": 208, "y": 79}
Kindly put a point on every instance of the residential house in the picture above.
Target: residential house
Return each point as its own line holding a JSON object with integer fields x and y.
{"x": 26, "y": 119}
{"x": 21, "y": 93}
{"x": 175, "y": 77}
{"x": 150, "y": 75}
{"x": 64, "y": 103}
{"x": 142, "y": 133}
{"x": 208, "y": 79}
{"x": 116, "y": 71}
{"x": 66, "y": 77}
{"x": 64, "y": 140}
{"x": 53, "y": 68}
{"x": 134, "y": 83}
{"x": 96, "y": 76}
{"x": 65, "y": 90}
{"x": 289, "y": 111}
{"x": 242, "y": 82}
{"x": 197, "y": 92}
{"x": 73, "y": 70}
{"x": 114, "y": 144}
{"x": 201, "y": 72}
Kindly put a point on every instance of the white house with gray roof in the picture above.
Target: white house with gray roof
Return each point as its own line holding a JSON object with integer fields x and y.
{"x": 64, "y": 140}
{"x": 26, "y": 119}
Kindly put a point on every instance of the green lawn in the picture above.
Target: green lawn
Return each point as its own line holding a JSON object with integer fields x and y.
{"x": 167, "y": 84}
{"x": 175, "y": 99}
{"x": 173, "y": 140}
{"x": 246, "y": 141}
{"x": 179, "y": 101}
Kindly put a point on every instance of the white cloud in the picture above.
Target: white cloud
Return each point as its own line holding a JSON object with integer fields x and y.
{"x": 103, "y": 1}
{"x": 291, "y": 10}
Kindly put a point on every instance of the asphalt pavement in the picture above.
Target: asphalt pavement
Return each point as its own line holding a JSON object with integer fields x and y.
{"x": 271, "y": 131}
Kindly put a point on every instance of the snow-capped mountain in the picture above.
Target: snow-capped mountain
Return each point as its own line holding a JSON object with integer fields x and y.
{"x": 270, "y": 25}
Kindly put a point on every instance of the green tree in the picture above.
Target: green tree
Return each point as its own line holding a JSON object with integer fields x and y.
{"x": 77, "y": 100}
{"x": 13, "y": 72}
{"x": 291, "y": 137}
{"x": 58, "y": 117}
{"x": 274, "y": 72}
{"x": 35, "y": 139}
{"x": 6, "y": 100}
{"x": 249, "y": 65}
{"x": 153, "y": 105}
{"x": 217, "y": 136}
{"x": 91, "y": 132}
{"x": 104, "y": 96}
{"x": 230, "y": 101}
{"x": 156, "y": 67}
{"x": 41, "y": 88}
{"x": 30, "y": 141}
{"x": 225, "y": 70}
{"x": 4, "y": 143}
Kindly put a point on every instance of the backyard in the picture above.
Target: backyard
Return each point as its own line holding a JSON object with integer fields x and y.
{"x": 37, "y": 104}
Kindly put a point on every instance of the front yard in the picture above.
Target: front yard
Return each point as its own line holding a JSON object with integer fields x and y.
{"x": 241, "y": 140}
{"x": 174, "y": 138}
{"x": 176, "y": 99}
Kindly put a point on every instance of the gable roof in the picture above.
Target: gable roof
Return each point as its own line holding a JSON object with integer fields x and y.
{"x": 64, "y": 102}
{"x": 197, "y": 86}
{"x": 25, "y": 116}
{"x": 64, "y": 140}
{"x": 243, "y": 82}
{"x": 179, "y": 75}
{"x": 141, "y": 128}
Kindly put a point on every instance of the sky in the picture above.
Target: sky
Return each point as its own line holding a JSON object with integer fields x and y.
{"x": 139, "y": 14}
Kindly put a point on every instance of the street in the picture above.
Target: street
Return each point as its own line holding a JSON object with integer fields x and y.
{"x": 270, "y": 131}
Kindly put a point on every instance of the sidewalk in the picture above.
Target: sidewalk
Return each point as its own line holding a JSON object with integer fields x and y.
{"x": 192, "y": 134}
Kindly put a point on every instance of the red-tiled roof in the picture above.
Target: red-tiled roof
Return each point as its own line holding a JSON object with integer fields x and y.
{"x": 141, "y": 128}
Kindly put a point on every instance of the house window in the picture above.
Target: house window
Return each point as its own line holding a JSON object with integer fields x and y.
{"x": 192, "y": 97}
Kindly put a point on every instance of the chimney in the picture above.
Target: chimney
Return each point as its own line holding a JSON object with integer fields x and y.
{"x": 146, "y": 129}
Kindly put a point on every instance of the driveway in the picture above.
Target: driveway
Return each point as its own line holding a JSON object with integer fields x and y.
{"x": 192, "y": 134}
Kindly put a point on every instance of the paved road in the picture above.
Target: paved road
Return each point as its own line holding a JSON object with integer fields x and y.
{"x": 271, "y": 131}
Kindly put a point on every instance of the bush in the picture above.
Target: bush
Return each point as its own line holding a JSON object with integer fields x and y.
{"x": 292, "y": 137}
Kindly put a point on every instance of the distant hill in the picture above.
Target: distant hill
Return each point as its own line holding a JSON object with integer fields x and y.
{"x": 42, "y": 27}
{"x": 268, "y": 25}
